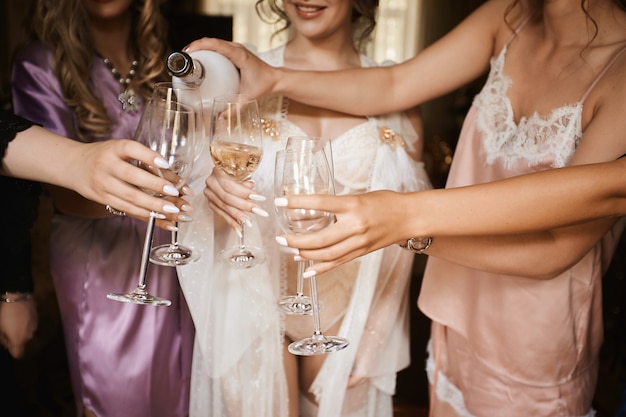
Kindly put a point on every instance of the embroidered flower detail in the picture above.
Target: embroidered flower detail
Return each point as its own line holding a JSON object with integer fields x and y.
{"x": 269, "y": 128}
{"x": 390, "y": 138}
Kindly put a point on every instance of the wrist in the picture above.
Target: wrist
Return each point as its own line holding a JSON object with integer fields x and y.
{"x": 15, "y": 297}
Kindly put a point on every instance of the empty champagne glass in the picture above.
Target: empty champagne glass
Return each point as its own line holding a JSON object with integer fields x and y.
{"x": 236, "y": 149}
{"x": 307, "y": 172}
{"x": 170, "y": 131}
{"x": 298, "y": 303}
{"x": 168, "y": 93}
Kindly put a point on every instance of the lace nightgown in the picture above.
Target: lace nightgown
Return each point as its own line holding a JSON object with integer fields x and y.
{"x": 238, "y": 365}
{"x": 506, "y": 345}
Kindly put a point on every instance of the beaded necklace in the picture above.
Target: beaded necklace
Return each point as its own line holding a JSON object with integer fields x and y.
{"x": 129, "y": 100}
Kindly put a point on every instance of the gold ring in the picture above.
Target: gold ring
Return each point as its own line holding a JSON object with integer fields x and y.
{"x": 114, "y": 211}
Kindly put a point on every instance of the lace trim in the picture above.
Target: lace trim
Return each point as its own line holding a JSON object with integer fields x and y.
{"x": 535, "y": 139}
{"x": 445, "y": 390}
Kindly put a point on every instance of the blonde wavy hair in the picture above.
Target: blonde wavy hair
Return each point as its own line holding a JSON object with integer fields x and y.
{"x": 62, "y": 27}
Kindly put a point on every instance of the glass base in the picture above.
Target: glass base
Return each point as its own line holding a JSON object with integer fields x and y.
{"x": 139, "y": 296}
{"x": 169, "y": 255}
{"x": 242, "y": 258}
{"x": 318, "y": 345}
{"x": 295, "y": 305}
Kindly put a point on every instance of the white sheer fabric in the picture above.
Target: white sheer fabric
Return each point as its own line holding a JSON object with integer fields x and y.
{"x": 397, "y": 37}
{"x": 238, "y": 367}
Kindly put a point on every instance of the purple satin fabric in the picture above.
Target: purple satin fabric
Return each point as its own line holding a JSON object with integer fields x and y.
{"x": 124, "y": 359}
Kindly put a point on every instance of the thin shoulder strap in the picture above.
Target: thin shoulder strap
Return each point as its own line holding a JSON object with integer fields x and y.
{"x": 517, "y": 30}
{"x": 601, "y": 74}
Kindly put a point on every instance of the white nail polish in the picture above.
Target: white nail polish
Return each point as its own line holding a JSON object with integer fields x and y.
{"x": 170, "y": 190}
{"x": 161, "y": 163}
{"x": 297, "y": 258}
{"x": 184, "y": 218}
{"x": 246, "y": 221}
{"x": 281, "y": 241}
{"x": 173, "y": 228}
{"x": 280, "y": 202}
{"x": 256, "y": 197}
{"x": 159, "y": 216}
{"x": 260, "y": 212}
{"x": 170, "y": 208}
{"x": 309, "y": 274}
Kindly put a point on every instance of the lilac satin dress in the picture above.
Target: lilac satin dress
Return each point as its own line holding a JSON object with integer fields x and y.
{"x": 124, "y": 359}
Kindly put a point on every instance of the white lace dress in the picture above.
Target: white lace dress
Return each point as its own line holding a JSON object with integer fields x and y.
{"x": 238, "y": 367}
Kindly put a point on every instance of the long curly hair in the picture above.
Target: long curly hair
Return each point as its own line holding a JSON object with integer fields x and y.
{"x": 363, "y": 18}
{"x": 62, "y": 27}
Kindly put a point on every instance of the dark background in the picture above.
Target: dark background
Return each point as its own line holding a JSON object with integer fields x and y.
{"x": 43, "y": 379}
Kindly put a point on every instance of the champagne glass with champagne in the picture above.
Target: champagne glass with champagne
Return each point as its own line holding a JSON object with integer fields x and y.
{"x": 236, "y": 149}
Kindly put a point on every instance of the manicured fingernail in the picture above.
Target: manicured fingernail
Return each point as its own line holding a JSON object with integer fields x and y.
{"x": 294, "y": 251}
{"x": 187, "y": 190}
{"x": 298, "y": 258}
{"x": 186, "y": 49}
{"x": 159, "y": 216}
{"x": 309, "y": 274}
{"x": 184, "y": 218}
{"x": 281, "y": 241}
{"x": 170, "y": 208}
{"x": 260, "y": 212}
{"x": 256, "y": 197}
{"x": 186, "y": 207}
{"x": 170, "y": 190}
{"x": 173, "y": 228}
{"x": 245, "y": 220}
{"x": 280, "y": 202}
{"x": 161, "y": 163}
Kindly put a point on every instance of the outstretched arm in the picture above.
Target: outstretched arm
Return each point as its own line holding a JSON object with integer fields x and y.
{"x": 99, "y": 171}
{"x": 459, "y": 57}
{"x": 528, "y": 203}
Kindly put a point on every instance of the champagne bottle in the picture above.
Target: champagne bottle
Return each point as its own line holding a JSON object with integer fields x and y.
{"x": 213, "y": 73}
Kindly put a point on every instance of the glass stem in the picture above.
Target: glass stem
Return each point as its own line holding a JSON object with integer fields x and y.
{"x": 145, "y": 256}
{"x": 242, "y": 245}
{"x": 317, "y": 330}
{"x": 174, "y": 240}
{"x": 300, "y": 280}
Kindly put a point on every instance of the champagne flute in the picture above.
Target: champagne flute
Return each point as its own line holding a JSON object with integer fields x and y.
{"x": 307, "y": 172}
{"x": 169, "y": 93}
{"x": 299, "y": 304}
{"x": 170, "y": 131}
{"x": 236, "y": 149}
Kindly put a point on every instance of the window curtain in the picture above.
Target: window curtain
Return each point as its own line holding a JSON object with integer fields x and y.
{"x": 397, "y": 38}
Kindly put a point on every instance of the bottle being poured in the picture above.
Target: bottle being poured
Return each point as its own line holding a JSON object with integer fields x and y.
{"x": 211, "y": 72}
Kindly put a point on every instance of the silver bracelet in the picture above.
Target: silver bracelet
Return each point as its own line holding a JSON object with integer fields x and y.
{"x": 15, "y": 297}
{"x": 417, "y": 244}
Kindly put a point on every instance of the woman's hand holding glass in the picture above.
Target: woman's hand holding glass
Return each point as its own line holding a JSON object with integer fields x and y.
{"x": 170, "y": 131}
{"x": 236, "y": 149}
{"x": 304, "y": 172}
{"x": 170, "y": 95}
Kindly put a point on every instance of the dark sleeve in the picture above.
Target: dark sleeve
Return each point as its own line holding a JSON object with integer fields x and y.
{"x": 10, "y": 125}
{"x": 18, "y": 212}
